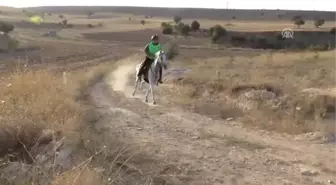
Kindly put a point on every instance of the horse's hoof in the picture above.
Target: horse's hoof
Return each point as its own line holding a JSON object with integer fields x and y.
{"x": 154, "y": 102}
{"x": 146, "y": 100}
{"x": 133, "y": 94}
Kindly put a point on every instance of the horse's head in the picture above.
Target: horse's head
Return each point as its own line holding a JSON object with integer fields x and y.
{"x": 161, "y": 59}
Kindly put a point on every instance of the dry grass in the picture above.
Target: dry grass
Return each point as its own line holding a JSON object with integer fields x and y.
{"x": 217, "y": 86}
{"x": 35, "y": 100}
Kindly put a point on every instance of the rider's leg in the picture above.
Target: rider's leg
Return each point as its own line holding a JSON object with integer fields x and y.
{"x": 160, "y": 76}
{"x": 142, "y": 67}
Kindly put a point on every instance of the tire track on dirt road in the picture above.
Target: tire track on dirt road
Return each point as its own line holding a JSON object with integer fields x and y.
{"x": 198, "y": 150}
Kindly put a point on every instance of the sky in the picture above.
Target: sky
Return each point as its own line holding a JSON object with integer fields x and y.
{"x": 327, "y": 5}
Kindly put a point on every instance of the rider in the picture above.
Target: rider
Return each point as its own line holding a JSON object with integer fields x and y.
{"x": 151, "y": 48}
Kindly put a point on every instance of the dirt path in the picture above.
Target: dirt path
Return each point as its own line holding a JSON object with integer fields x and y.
{"x": 202, "y": 151}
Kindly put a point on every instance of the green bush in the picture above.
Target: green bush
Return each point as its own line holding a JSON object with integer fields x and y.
{"x": 299, "y": 22}
{"x": 318, "y": 22}
{"x": 177, "y": 19}
{"x": 185, "y": 29}
{"x": 164, "y": 24}
{"x": 218, "y": 30}
{"x": 195, "y": 26}
{"x": 6, "y": 27}
{"x": 167, "y": 30}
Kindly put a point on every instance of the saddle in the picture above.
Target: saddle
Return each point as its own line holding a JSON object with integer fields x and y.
{"x": 145, "y": 73}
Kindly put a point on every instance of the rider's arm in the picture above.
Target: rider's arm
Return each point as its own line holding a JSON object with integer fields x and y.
{"x": 147, "y": 50}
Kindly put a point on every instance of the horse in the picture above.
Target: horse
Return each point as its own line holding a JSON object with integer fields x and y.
{"x": 151, "y": 76}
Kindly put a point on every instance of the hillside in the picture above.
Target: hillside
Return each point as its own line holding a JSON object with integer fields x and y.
{"x": 217, "y": 14}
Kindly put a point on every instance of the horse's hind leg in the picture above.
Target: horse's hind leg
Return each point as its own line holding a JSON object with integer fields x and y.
{"x": 141, "y": 84}
{"x": 136, "y": 85}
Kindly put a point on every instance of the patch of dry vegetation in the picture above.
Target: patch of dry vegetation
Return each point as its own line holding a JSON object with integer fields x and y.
{"x": 33, "y": 101}
{"x": 268, "y": 89}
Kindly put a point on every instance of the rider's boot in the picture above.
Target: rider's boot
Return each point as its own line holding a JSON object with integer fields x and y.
{"x": 160, "y": 77}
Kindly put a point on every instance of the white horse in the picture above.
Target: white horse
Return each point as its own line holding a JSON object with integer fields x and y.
{"x": 153, "y": 74}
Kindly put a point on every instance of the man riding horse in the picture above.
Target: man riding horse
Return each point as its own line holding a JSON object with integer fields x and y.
{"x": 150, "y": 50}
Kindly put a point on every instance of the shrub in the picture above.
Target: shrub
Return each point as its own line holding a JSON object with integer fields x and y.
{"x": 177, "y": 19}
{"x": 195, "y": 26}
{"x": 90, "y": 26}
{"x": 217, "y": 29}
{"x": 65, "y": 22}
{"x": 6, "y": 27}
{"x": 299, "y": 22}
{"x": 164, "y": 24}
{"x": 332, "y": 30}
{"x": 321, "y": 47}
{"x": 61, "y": 16}
{"x": 90, "y": 13}
{"x": 142, "y": 22}
{"x": 167, "y": 30}
{"x": 214, "y": 37}
{"x": 318, "y": 22}
{"x": 185, "y": 29}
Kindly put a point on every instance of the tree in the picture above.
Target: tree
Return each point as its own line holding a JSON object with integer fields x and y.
{"x": 185, "y": 29}
{"x": 318, "y": 22}
{"x": 195, "y": 26}
{"x": 217, "y": 30}
{"x": 90, "y": 13}
{"x": 65, "y": 22}
{"x": 142, "y": 22}
{"x": 6, "y": 27}
{"x": 164, "y": 24}
{"x": 332, "y": 31}
{"x": 177, "y": 19}
{"x": 166, "y": 28}
{"x": 299, "y": 22}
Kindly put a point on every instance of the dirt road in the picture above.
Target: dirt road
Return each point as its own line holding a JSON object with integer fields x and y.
{"x": 199, "y": 150}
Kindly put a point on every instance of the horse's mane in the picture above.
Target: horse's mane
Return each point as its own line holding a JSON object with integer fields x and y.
{"x": 157, "y": 54}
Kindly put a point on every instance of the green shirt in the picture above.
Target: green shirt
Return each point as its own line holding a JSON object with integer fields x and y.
{"x": 153, "y": 49}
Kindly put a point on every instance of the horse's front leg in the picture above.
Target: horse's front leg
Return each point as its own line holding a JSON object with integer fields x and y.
{"x": 146, "y": 97}
{"x": 152, "y": 91}
{"x": 136, "y": 85}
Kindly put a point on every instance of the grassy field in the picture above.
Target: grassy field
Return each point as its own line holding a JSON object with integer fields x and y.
{"x": 47, "y": 80}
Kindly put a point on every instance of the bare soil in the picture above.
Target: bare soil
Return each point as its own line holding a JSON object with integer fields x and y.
{"x": 197, "y": 149}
